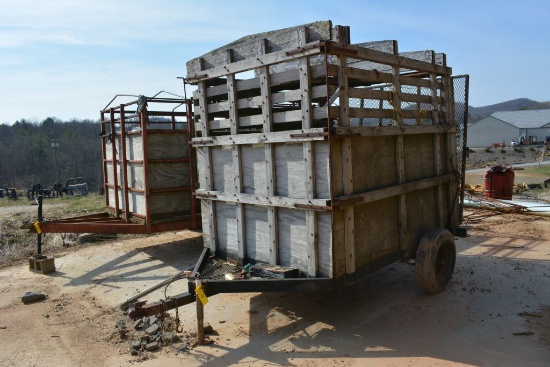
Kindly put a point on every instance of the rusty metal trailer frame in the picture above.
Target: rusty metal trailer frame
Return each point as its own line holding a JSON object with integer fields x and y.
{"x": 118, "y": 218}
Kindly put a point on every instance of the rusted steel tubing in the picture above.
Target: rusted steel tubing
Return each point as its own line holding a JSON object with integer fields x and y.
{"x": 114, "y": 160}
{"x": 103, "y": 135}
{"x": 126, "y": 196}
{"x": 141, "y": 309}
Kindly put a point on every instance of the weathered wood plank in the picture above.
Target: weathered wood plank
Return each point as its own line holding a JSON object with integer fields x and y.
{"x": 365, "y": 131}
{"x": 387, "y": 192}
{"x": 314, "y": 48}
{"x": 278, "y": 201}
{"x": 366, "y": 54}
{"x": 246, "y": 47}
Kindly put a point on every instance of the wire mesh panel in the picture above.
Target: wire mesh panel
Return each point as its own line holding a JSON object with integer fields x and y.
{"x": 460, "y": 87}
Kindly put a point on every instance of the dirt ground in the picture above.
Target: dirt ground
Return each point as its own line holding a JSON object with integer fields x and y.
{"x": 495, "y": 312}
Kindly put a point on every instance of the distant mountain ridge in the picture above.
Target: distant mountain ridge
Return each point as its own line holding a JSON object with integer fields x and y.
{"x": 478, "y": 113}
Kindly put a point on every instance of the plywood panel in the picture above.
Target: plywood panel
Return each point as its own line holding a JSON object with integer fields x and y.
{"x": 421, "y": 201}
{"x": 257, "y": 233}
{"x": 290, "y": 169}
{"x": 336, "y": 168}
{"x": 292, "y": 238}
{"x": 170, "y": 202}
{"x": 324, "y": 241}
{"x": 165, "y": 175}
{"x": 201, "y": 167}
{"x": 376, "y": 230}
{"x": 163, "y": 146}
{"x": 223, "y": 173}
{"x": 254, "y": 166}
{"x": 136, "y": 176}
{"x": 419, "y": 156}
{"x": 374, "y": 163}
{"x": 338, "y": 240}
{"x": 136, "y": 202}
{"x": 134, "y": 148}
{"x": 226, "y": 229}
{"x": 322, "y": 170}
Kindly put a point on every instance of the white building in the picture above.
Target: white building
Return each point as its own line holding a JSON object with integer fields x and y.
{"x": 529, "y": 126}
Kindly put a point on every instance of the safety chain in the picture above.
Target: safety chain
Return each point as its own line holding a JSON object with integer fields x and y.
{"x": 178, "y": 328}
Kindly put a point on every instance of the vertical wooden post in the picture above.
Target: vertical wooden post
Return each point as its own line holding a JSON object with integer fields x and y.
{"x": 272, "y": 212}
{"x": 210, "y": 207}
{"x": 347, "y": 167}
{"x": 309, "y": 157}
{"x": 400, "y": 159}
{"x": 237, "y": 164}
{"x": 437, "y": 147}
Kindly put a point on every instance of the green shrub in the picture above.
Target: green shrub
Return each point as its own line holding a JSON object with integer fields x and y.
{"x": 488, "y": 150}
{"x": 532, "y": 149}
{"x": 503, "y": 151}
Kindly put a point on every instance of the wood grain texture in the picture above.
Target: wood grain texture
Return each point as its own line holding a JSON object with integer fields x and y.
{"x": 258, "y": 233}
{"x": 164, "y": 146}
{"x": 374, "y": 163}
{"x": 376, "y": 230}
{"x": 165, "y": 175}
{"x": 247, "y": 46}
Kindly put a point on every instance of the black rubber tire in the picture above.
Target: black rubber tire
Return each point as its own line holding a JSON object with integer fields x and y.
{"x": 435, "y": 260}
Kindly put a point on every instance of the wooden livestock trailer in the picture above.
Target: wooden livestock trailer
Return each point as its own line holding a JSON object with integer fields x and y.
{"x": 326, "y": 157}
{"x": 330, "y": 157}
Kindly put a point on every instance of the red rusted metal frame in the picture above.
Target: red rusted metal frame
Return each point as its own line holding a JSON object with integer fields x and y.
{"x": 143, "y": 124}
{"x": 104, "y": 157}
{"x": 114, "y": 160}
{"x": 192, "y": 169}
{"x": 124, "y": 163}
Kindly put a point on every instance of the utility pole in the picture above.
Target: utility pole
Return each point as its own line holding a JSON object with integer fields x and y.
{"x": 55, "y": 145}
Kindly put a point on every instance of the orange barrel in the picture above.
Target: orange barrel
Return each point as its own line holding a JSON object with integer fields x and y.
{"x": 498, "y": 182}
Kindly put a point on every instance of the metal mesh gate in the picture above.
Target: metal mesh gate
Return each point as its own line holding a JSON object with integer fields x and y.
{"x": 460, "y": 88}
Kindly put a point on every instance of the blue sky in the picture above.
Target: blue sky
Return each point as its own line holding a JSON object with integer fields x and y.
{"x": 67, "y": 59}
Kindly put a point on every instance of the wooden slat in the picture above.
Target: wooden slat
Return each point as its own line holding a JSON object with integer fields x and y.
{"x": 347, "y": 168}
{"x": 427, "y": 56}
{"x": 393, "y": 130}
{"x": 366, "y": 54}
{"x": 388, "y": 113}
{"x": 270, "y": 174}
{"x": 255, "y": 199}
{"x": 246, "y": 47}
{"x": 207, "y": 170}
{"x": 261, "y": 138}
{"x": 365, "y": 93}
{"x": 387, "y": 192}
{"x": 309, "y": 159}
{"x": 237, "y": 167}
{"x": 253, "y": 63}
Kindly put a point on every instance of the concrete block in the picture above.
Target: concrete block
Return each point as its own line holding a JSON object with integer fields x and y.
{"x": 138, "y": 324}
{"x": 136, "y": 344}
{"x": 153, "y": 329}
{"x": 152, "y": 346}
{"x": 44, "y": 266}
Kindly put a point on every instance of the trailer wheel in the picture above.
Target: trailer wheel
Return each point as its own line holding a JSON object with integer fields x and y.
{"x": 435, "y": 260}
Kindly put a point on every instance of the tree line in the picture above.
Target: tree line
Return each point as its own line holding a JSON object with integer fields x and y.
{"x": 50, "y": 152}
